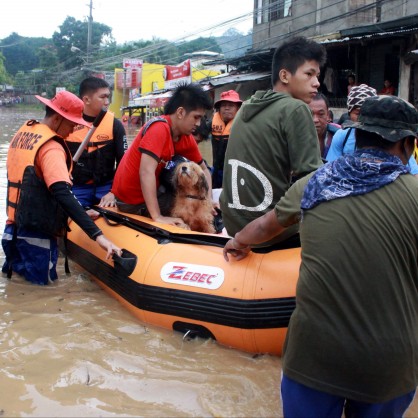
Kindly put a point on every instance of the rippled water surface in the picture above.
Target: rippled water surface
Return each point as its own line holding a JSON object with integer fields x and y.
{"x": 69, "y": 349}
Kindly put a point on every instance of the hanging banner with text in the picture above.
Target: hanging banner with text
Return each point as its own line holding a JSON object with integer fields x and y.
{"x": 131, "y": 76}
{"x": 177, "y": 74}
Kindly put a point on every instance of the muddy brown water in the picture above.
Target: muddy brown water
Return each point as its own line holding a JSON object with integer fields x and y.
{"x": 70, "y": 350}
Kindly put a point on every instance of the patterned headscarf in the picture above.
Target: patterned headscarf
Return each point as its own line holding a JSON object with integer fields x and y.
{"x": 352, "y": 175}
{"x": 358, "y": 94}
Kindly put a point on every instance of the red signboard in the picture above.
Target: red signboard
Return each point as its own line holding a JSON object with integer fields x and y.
{"x": 131, "y": 76}
{"x": 129, "y": 79}
{"x": 176, "y": 74}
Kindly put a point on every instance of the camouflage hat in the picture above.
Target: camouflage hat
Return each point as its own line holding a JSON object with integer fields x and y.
{"x": 388, "y": 116}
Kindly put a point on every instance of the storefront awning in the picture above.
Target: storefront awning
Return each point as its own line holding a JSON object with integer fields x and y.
{"x": 236, "y": 78}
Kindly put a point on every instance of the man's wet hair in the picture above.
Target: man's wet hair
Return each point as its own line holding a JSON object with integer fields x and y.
{"x": 91, "y": 85}
{"x": 190, "y": 97}
{"x": 294, "y": 53}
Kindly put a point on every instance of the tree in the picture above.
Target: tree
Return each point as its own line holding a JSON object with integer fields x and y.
{"x": 20, "y": 52}
{"x": 71, "y": 41}
{"x": 47, "y": 57}
{"x": 4, "y": 76}
{"x": 23, "y": 82}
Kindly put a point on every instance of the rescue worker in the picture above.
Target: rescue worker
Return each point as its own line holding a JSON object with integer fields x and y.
{"x": 226, "y": 109}
{"x": 95, "y": 169}
{"x": 39, "y": 196}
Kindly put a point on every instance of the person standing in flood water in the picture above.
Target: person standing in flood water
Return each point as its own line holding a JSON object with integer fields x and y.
{"x": 225, "y": 110}
{"x": 93, "y": 173}
{"x": 39, "y": 197}
{"x": 352, "y": 341}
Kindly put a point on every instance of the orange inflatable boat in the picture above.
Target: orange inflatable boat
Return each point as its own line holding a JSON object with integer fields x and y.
{"x": 178, "y": 280}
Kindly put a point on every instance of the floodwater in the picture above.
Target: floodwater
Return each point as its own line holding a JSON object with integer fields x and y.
{"x": 70, "y": 350}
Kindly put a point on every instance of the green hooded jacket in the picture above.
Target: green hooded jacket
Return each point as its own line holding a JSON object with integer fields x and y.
{"x": 273, "y": 139}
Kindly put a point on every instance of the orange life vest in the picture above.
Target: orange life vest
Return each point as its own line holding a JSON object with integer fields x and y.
{"x": 97, "y": 162}
{"x": 29, "y": 202}
{"x": 219, "y": 129}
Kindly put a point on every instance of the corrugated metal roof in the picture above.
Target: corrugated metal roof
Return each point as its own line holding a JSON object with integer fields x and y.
{"x": 376, "y": 35}
{"x": 406, "y": 22}
{"x": 237, "y": 78}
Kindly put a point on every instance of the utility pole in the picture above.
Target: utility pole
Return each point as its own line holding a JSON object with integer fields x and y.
{"x": 89, "y": 31}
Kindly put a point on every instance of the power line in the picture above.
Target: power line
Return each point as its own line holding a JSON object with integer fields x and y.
{"x": 160, "y": 47}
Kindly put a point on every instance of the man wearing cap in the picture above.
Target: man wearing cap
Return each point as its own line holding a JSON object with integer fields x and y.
{"x": 39, "y": 196}
{"x": 352, "y": 341}
{"x": 226, "y": 109}
{"x": 344, "y": 141}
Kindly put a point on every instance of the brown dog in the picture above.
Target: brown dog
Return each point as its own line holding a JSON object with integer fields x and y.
{"x": 191, "y": 202}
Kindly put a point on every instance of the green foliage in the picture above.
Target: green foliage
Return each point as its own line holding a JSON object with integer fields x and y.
{"x": 37, "y": 65}
{"x": 71, "y": 41}
{"x": 21, "y": 52}
{"x": 47, "y": 57}
{"x": 4, "y": 76}
{"x": 161, "y": 51}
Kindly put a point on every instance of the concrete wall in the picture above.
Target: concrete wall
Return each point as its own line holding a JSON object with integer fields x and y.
{"x": 396, "y": 9}
{"x": 321, "y": 17}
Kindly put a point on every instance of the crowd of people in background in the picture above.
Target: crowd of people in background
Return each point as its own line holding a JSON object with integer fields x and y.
{"x": 10, "y": 100}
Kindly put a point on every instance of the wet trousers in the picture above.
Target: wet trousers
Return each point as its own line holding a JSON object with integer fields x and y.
{"x": 301, "y": 401}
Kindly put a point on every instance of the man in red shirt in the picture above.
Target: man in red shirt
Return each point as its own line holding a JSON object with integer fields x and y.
{"x": 137, "y": 181}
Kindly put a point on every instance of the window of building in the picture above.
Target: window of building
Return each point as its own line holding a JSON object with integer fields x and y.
{"x": 269, "y": 10}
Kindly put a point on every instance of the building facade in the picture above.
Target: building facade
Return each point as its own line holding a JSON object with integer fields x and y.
{"x": 374, "y": 40}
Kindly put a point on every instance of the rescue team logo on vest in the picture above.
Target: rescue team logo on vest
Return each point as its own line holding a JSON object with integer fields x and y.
{"x": 217, "y": 129}
{"x": 103, "y": 133}
{"x": 196, "y": 275}
{"x": 25, "y": 140}
{"x": 264, "y": 181}
{"x": 78, "y": 128}
{"x": 218, "y": 126}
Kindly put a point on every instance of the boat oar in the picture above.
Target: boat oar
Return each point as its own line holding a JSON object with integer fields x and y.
{"x": 86, "y": 140}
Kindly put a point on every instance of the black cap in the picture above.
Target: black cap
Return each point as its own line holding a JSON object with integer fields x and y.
{"x": 388, "y": 116}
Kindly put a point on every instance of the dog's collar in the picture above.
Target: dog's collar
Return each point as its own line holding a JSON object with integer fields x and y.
{"x": 190, "y": 196}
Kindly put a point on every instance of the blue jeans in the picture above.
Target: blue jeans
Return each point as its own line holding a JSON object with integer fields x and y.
{"x": 300, "y": 401}
{"x": 90, "y": 194}
{"x": 34, "y": 255}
